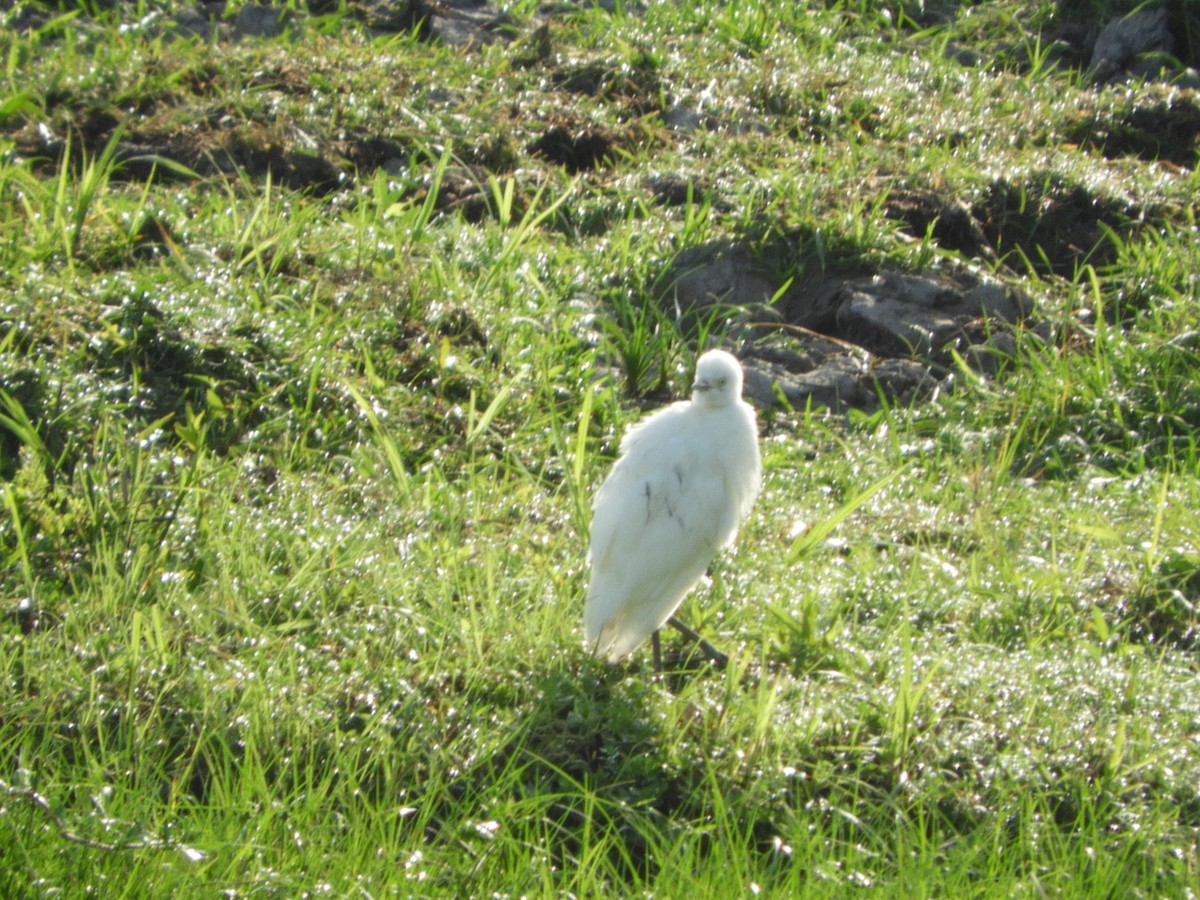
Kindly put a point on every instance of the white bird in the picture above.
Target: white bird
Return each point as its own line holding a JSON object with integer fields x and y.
{"x": 686, "y": 478}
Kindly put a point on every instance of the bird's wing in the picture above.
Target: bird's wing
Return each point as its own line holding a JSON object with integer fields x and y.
{"x": 659, "y": 518}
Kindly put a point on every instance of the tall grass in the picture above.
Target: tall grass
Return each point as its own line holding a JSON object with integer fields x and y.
{"x": 295, "y": 483}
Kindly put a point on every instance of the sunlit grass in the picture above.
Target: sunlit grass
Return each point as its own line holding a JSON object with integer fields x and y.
{"x": 296, "y": 476}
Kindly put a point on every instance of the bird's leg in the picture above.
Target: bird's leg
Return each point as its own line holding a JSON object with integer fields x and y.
{"x": 657, "y": 651}
{"x": 715, "y": 655}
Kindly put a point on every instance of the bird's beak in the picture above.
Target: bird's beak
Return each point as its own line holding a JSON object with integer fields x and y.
{"x": 701, "y": 385}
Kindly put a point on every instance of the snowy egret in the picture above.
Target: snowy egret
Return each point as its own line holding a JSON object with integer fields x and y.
{"x": 686, "y": 478}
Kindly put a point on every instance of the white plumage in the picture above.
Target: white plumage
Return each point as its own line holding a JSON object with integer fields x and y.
{"x": 686, "y": 478}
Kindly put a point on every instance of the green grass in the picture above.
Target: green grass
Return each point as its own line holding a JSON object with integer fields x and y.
{"x": 309, "y": 365}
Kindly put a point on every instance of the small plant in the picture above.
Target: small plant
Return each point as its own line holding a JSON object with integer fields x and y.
{"x": 644, "y": 341}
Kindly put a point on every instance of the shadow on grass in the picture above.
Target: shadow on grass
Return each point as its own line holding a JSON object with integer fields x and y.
{"x": 594, "y": 776}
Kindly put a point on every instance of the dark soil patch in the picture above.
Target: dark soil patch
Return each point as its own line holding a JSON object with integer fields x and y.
{"x": 1079, "y": 21}
{"x": 462, "y": 191}
{"x": 949, "y": 223}
{"x": 637, "y": 87}
{"x": 370, "y": 152}
{"x": 576, "y": 151}
{"x": 31, "y": 619}
{"x": 677, "y": 190}
{"x": 1050, "y": 224}
{"x": 25, "y": 389}
{"x": 260, "y": 154}
{"x": 1166, "y": 129}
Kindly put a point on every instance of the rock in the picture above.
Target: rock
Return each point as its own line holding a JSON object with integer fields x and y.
{"x": 208, "y": 18}
{"x": 836, "y": 384}
{"x": 260, "y": 21}
{"x": 899, "y": 380}
{"x": 683, "y": 118}
{"x": 992, "y": 355}
{"x": 461, "y": 23}
{"x": 899, "y": 315}
{"x": 715, "y": 274}
{"x": 842, "y": 380}
{"x": 675, "y": 190}
{"x": 194, "y": 21}
{"x": 813, "y": 303}
{"x": 997, "y": 301}
{"x": 840, "y": 341}
{"x": 1123, "y": 40}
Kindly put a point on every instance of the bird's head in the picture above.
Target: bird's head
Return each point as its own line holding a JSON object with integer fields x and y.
{"x": 718, "y": 379}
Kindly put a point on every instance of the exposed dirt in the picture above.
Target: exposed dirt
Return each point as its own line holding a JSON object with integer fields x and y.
{"x": 1164, "y": 127}
{"x": 846, "y": 340}
{"x": 1054, "y": 224}
{"x": 576, "y": 151}
{"x": 951, "y": 224}
{"x": 1039, "y": 221}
